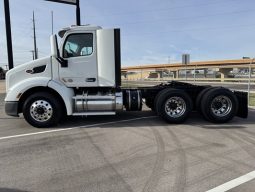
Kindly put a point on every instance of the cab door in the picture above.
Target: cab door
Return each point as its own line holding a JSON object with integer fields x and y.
{"x": 79, "y": 49}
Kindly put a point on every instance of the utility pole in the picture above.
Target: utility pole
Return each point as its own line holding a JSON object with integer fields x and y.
{"x": 8, "y": 33}
{"x": 35, "y": 46}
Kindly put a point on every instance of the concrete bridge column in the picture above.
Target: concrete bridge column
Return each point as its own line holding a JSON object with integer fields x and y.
{"x": 224, "y": 72}
{"x": 124, "y": 75}
{"x": 205, "y": 73}
{"x": 145, "y": 74}
{"x": 160, "y": 74}
{"x": 176, "y": 74}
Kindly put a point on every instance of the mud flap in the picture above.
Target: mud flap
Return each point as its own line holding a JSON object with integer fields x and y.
{"x": 243, "y": 104}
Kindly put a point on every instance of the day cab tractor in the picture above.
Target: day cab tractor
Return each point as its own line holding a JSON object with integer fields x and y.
{"x": 82, "y": 77}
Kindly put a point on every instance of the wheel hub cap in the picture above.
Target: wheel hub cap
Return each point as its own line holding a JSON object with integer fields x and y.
{"x": 175, "y": 107}
{"x": 41, "y": 110}
{"x": 221, "y": 106}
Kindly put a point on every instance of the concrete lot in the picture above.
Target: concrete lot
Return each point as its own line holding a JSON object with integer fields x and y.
{"x": 134, "y": 151}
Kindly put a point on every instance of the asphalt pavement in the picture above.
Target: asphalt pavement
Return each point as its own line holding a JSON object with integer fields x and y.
{"x": 133, "y": 151}
{"x": 2, "y": 86}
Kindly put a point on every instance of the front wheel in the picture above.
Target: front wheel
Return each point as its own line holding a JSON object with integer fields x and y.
{"x": 42, "y": 110}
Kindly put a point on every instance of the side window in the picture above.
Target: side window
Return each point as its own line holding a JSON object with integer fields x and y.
{"x": 78, "y": 45}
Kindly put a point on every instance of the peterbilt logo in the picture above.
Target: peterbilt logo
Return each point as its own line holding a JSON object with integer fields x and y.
{"x": 31, "y": 71}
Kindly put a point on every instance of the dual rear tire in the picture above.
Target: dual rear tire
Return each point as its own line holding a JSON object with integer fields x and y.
{"x": 217, "y": 105}
{"x": 173, "y": 105}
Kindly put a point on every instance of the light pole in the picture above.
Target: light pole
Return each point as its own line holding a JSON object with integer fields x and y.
{"x": 8, "y": 24}
{"x": 8, "y": 33}
{"x": 78, "y": 13}
{"x": 72, "y": 2}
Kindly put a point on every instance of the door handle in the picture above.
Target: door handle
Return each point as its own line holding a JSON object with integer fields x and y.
{"x": 90, "y": 79}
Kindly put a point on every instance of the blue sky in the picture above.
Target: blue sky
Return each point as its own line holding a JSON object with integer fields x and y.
{"x": 152, "y": 31}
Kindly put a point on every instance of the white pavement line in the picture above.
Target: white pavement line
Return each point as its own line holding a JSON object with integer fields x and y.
{"x": 234, "y": 183}
{"x": 71, "y": 128}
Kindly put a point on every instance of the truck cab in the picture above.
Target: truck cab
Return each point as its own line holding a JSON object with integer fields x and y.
{"x": 87, "y": 61}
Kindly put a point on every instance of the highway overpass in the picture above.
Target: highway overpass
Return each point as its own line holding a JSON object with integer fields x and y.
{"x": 222, "y": 67}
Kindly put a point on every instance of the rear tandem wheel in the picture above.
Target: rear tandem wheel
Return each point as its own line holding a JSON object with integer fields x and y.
{"x": 173, "y": 105}
{"x": 219, "y": 105}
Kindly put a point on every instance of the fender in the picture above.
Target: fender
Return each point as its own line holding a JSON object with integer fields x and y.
{"x": 66, "y": 94}
{"x": 18, "y": 89}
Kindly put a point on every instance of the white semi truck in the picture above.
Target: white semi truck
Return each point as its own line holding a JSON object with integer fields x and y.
{"x": 82, "y": 77}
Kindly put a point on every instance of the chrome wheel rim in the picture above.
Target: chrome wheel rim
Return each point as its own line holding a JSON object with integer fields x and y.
{"x": 175, "y": 107}
{"x": 221, "y": 106}
{"x": 41, "y": 110}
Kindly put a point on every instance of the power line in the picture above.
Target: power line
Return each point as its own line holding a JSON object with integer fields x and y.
{"x": 194, "y": 29}
{"x": 188, "y": 18}
{"x": 157, "y": 10}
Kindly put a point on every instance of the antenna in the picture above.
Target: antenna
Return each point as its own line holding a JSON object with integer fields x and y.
{"x": 33, "y": 54}
{"x": 35, "y": 46}
{"x": 52, "y": 22}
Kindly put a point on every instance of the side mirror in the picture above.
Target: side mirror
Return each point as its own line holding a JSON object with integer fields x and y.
{"x": 63, "y": 62}
{"x": 55, "y": 51}
{"x": 54, "y": 46}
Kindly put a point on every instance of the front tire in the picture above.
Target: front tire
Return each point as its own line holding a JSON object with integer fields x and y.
{"x": 173, "y": 105}
{"x": 42, "y": 110}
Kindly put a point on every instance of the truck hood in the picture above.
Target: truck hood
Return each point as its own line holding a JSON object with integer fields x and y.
{"x": 37, "y": 68}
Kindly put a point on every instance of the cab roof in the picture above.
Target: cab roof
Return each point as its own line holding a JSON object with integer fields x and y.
{"x": 62, "y": 32}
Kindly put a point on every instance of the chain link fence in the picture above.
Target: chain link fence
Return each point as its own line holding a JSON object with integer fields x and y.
{"x": 234, "y": 79}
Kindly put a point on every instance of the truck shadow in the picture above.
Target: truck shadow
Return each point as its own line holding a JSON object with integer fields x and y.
{"x": 142, "y": 119}
{"x": 11, "y": 190}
